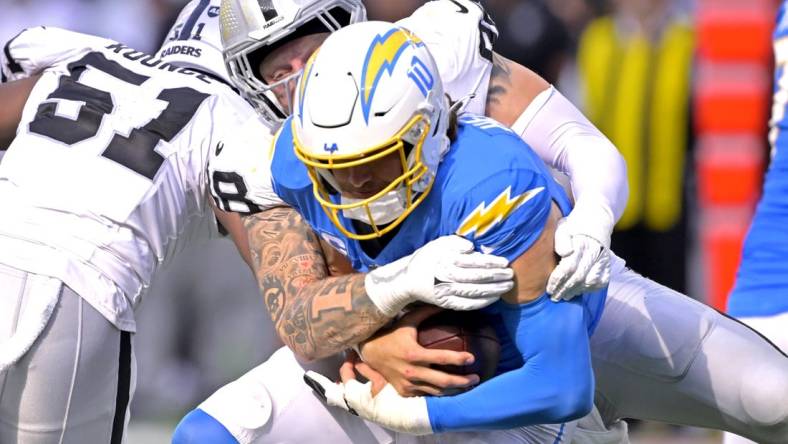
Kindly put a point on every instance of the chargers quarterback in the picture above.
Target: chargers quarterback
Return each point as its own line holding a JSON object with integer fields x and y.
{"x": 648, "y": 348}
{"x": 388, "y": 170}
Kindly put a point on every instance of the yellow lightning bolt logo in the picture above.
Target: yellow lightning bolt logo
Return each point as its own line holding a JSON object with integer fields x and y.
{"x": 382, "y": 56}
{"x": 484, "y": 217}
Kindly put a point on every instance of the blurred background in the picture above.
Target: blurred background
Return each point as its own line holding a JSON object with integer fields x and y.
{"x": 682, "y": 87}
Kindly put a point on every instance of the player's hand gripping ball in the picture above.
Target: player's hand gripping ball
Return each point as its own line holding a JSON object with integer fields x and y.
{"x": 467, "y": 331}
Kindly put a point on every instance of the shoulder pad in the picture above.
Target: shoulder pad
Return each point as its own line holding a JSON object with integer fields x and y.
{"x": 460, "y": 35}
{"x": 36, "y": 49}
{"x": 239, "y": 169}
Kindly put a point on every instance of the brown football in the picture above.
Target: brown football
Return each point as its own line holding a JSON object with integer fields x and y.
{"x": 463, "y": 331}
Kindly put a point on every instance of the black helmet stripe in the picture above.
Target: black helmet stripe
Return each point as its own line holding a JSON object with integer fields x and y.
{"x": 269, "y": 12}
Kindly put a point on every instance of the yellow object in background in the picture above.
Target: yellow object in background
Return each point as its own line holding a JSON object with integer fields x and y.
{"x": 637, "y": 92}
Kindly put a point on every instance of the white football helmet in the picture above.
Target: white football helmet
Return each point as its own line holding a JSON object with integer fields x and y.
{"x": 251, "y": 29}
{"x": 370, "y": 91}
{"x": 194, "y": 41}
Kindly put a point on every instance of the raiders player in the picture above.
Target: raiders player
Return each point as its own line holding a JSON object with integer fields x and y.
{"x": 103, "y": 183}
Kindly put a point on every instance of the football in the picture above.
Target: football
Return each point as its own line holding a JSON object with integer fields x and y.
{"x": 463, "y": 331}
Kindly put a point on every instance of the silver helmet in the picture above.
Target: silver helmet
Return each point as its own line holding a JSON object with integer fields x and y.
{"x": 251, "y": 29}
{"x": 194, "y": 41}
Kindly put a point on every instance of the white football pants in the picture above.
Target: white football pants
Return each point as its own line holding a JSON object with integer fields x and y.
{"x": 775, "y": 329}
{"x": 69, "y": 373}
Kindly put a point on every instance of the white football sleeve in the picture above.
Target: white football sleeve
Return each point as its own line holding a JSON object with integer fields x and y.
{"x": 35, "y": 49}
{"x": 566, "y": 140}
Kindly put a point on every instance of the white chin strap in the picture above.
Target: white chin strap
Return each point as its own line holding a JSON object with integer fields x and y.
{"x": 384, "y": 210}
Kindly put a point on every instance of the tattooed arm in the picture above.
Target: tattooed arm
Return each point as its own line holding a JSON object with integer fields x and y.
{"x": 315, "y": 314}
{"x": 512, "y": 88}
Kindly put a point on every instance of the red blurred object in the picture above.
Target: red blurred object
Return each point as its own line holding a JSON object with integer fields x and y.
{"x": 732, "y": 98}
{"x": 729, "y": 169}
{"x": 735, "y": 30}
{"x": 731, "y": 102}
{"x": 722, "y": 237}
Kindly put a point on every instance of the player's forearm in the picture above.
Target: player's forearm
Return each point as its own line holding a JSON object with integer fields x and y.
{"x": 315, "y": 314}
{"x": 566, "y": 140}
{"x": 328, "y": 316}
{"x": 554, "y": 385}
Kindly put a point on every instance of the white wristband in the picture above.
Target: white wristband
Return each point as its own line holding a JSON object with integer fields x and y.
{"x": 383, "y": 289}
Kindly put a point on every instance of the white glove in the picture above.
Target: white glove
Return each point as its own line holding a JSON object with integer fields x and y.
{"x": 387, "y": 408}
{"x": 445, "y": 272}
{"x": 585, "y": 260}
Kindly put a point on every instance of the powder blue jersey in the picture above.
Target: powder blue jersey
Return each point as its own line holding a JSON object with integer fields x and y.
{"x": 489, "y": 188}
{"x": 762, "y": 283}
{"x": 493, "y": 190}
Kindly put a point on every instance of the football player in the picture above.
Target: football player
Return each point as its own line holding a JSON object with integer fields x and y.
{"x": 287, "y": 30}
{"x": 657, "y": 359}
{"x": 104, "y": 182}
{"x": 760, "y": 295}
{"x": 388, "y": 169}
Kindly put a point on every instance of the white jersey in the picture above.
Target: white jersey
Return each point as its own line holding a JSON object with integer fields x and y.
{"x": 459, "y": 35}
{"x": 240, "y": 173}
{"x": 106, "y": 178}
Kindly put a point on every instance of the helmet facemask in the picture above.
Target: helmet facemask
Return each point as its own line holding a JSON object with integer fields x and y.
{"x": 388, "y": 207}
{"x": 371, "y": 93}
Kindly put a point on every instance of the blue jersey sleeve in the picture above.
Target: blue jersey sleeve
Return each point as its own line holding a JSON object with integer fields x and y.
{"x": 288, "y": 174}
{"x": 555, "y": 384}
{"x": 781, "y": 29}
{"x": 505, "y": 214}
